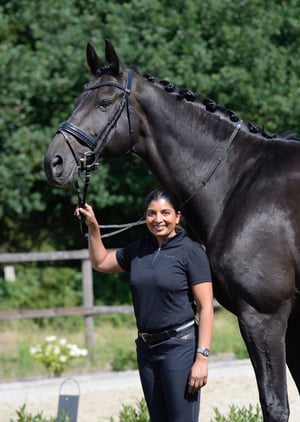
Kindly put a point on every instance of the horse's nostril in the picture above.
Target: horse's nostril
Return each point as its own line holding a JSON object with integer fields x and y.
{"x": 57, "y": 165}
{"x": 57, "y": 160}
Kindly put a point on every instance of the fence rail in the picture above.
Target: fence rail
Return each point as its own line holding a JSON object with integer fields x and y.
{"x": 59, "y": 312}
{"x": 80, "y": 254}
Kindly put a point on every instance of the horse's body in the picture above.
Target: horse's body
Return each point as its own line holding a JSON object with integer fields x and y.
{"x": 239, "y": 190}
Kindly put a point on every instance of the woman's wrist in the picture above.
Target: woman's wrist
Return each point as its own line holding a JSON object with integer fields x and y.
{"x": 204, "y": 351}
{"x": 92, "y": 225}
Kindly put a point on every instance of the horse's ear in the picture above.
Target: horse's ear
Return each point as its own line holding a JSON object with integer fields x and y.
{"x": 94, "y": 62}
{"x": 112, "y": 58}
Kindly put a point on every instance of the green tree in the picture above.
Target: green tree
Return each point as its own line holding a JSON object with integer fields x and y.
{"x": 245, "y": 56}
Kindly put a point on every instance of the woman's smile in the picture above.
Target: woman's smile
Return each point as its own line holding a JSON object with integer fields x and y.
{"x": 161, "y": 219}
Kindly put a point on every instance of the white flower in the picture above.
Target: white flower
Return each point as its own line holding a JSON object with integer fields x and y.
{"x": 56, "y": 350}
{"x": 56, "y": 354}
{"x": 73, "y": 350}
{"x": 34, "y": 350}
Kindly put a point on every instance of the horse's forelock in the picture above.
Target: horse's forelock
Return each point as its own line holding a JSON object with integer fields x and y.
{"x": 105, "y": 70}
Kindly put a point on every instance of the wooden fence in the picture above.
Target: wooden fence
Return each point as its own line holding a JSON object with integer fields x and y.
{"x": 87, "y": 310}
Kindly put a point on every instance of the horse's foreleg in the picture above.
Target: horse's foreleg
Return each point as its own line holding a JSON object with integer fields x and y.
{"x": 293, "y": 348}
{"x": 264, "y": 336}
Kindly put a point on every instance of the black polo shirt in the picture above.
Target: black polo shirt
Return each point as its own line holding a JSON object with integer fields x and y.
{"x": 161, "y": 279}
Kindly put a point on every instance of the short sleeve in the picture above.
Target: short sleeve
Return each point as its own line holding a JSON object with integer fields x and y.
{"x": 198, "y": 268}
{"x": 123, "y": 259}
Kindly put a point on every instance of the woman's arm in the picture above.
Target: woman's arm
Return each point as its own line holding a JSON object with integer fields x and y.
{"x": 203, "y": 295}
{"x": 102, "y": 259}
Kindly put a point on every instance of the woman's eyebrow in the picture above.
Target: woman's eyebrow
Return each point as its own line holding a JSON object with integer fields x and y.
{"x": 152, "y": 210}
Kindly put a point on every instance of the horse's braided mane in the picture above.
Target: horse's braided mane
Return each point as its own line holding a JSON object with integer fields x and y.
{"x": 212, "y": 106}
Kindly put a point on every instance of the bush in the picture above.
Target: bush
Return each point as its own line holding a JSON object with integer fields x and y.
{"x": 140, "y": 414}
{"x": 42, "y": 287}
{"x": 56, "y": 354}
{"x": 237, "y": 414}
{"x": 28, "y": 417}
{"x": 131, "y": 414}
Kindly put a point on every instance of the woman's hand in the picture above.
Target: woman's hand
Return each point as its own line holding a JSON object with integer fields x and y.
{"x": 87, "y": 213}
{"x": 198, "y": 374}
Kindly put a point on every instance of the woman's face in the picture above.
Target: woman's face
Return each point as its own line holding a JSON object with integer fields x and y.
{"x": 161, "y": 219}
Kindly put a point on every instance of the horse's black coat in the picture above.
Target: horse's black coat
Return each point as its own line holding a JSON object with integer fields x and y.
{"x": 238, "y": 187}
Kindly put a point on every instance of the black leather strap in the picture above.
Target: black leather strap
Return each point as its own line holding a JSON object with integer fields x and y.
{"x": 78, "y": 133}
{"x": 158, "y": 337}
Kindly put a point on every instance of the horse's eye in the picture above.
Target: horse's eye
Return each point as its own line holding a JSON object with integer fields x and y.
{"x": 104, "y": 104}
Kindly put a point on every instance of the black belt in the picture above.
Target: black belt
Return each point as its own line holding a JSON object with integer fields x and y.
{"x": 151, "y": 338}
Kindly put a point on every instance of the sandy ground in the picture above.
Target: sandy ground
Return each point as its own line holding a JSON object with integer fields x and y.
{"x": 103, "y": 394}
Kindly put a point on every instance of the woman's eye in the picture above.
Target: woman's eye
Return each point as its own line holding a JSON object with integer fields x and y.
{"x": 104, "y": 103}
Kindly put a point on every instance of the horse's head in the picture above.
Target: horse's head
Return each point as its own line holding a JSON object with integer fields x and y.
{"x": 101, "y": 124}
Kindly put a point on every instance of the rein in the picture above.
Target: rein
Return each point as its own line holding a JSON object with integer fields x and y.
{"x": 82, "y": 200}
{"x": 120, "y": 227}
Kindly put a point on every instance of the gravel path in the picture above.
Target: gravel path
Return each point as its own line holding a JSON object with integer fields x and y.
{"x": 102, "y": 394}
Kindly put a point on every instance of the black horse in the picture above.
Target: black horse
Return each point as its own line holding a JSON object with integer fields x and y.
{"x": 238, "y": 188}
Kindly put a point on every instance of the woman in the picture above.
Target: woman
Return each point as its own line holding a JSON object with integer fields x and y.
{"x": 170, "y": 279}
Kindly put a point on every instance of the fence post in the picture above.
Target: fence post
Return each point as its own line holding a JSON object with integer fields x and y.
{"x": 88, "y": 302}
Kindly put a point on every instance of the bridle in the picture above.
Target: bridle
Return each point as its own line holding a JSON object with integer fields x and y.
{"x": 97, "y": 144}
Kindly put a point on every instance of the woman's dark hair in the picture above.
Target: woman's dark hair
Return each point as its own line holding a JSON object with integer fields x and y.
{"x": 160, "y": 193}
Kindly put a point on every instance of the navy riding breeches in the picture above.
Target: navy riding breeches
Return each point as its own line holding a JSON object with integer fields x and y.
{"x": 164, "y": 371}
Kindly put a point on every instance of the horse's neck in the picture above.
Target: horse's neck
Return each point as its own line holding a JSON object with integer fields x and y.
{"x": 181, "y": 144}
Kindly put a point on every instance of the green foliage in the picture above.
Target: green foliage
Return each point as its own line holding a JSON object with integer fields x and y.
{"x": 119, "y": 320}
{"x": 111, "y": 289}
{"x": 124, "y": 360}
{"x": 240, "y": 350}
{"x": 132, "y": 414}
{"x": 23, "y": 359}
{"x": 227, "y": 337}
{"x": 46, "y": 287}
{"x": 245, "y": 57}
{"x": 140, "y": 414}
{"x": 237, "y": 414}
{"x": 43, "y": 70}
{"x": 24, "y": 416}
